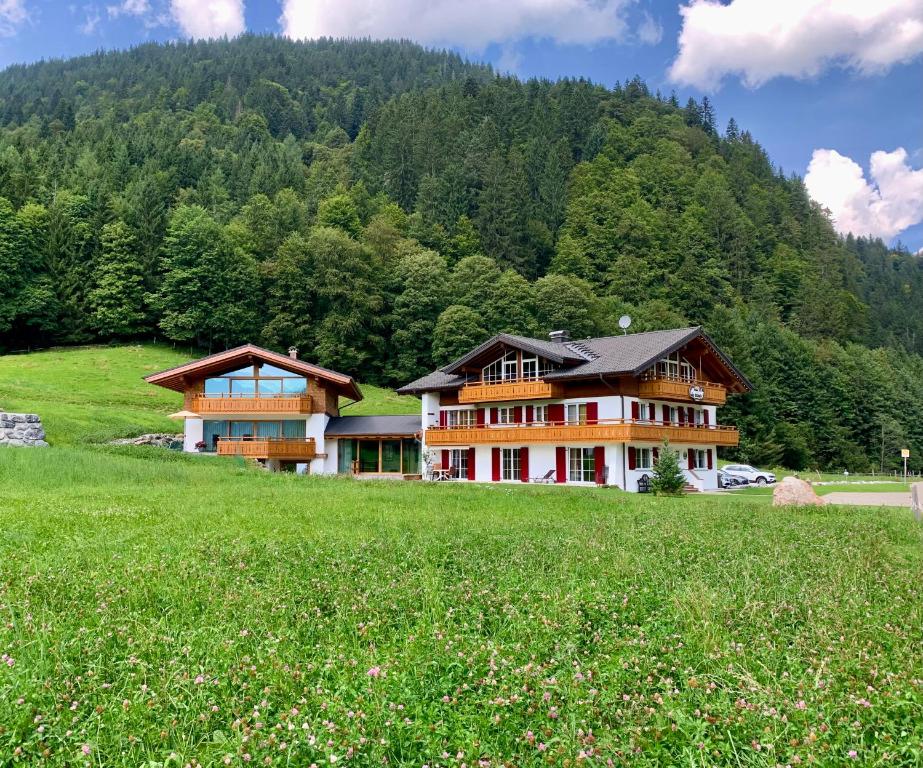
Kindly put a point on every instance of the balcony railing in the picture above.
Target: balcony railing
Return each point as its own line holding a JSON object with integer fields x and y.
{"x": 202, "y": 404}
{"x": 515, "y": 389}
{"x": 604, "y": 430}
{"x": 291, "y": 448}
{"x": 661, "y": 387}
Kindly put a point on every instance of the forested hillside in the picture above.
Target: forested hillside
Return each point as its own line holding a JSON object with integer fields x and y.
{"x": 385, "y": 207}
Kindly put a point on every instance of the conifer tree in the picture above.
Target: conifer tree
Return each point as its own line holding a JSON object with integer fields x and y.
{"x": 668, "y": 477}
{"x": 117, "y": 297}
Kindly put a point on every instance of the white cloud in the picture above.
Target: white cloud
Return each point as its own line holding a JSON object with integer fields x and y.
{"x": 887, "y": 204}
{"x": 128, "y": 8}
{"x": 91, "y": 21}
{"x": 650, "y": 32}
{"x": 13, "y": 14}
{"x": 761, "y": 40}
{"x": 208, "y": 18}
{"x": 472, "y": 24}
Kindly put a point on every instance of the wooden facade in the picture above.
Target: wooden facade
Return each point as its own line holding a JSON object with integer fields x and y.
{"x": 492, "y": 392}
{"x": 276, "y": 405}
{"x": 285, "y": 449}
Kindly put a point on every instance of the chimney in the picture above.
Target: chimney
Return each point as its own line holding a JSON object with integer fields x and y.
{"x": 559, "y": 337}
{"x": 293, "y": 353}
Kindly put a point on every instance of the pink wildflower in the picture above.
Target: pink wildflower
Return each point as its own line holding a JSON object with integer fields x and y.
{"x": 374, "y": 672}
{"x": 85, "y": 749}
{"x": 853, "y": 755}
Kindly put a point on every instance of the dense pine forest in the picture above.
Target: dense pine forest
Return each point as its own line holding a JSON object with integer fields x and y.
{"x": 386, "y": 207}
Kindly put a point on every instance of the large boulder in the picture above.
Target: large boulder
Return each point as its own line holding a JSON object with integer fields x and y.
{"x": 158, "y": 440}
{"x": 794, "y": 492}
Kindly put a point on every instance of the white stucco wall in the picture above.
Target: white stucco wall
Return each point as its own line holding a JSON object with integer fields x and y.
{"x": 192, "y": 433}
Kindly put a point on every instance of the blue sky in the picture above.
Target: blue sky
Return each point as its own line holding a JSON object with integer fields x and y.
{"x": 841, "y": 86}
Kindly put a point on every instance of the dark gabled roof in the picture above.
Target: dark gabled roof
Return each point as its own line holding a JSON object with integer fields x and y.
{"x": 608, "y": 355}
{"x": 373, "y": 426}
{"x": 634, "y": 353}
{"x": 174, "y": 378}
{"x": 554, "y": 351}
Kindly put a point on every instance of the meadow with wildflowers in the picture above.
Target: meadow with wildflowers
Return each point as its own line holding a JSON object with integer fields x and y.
{"x": 166, "y": 610}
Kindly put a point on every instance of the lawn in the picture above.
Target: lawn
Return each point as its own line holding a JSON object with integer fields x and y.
{"x": 163, "y": 609}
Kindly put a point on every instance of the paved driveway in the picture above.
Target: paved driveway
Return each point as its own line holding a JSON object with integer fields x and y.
{"x": 901, "y": 499}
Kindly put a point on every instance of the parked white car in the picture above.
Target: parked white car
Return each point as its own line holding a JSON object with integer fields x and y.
{"x": 750, "y": 474}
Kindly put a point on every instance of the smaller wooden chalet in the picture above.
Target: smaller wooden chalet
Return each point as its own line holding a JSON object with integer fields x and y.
{"x": 285, "y": 413}
{"x": 589, "y": 411}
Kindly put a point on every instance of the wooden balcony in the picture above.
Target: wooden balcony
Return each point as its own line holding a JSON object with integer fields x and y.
{"x": 500, "y": 391}
{"x": 277, "y": 404}
{"x": 286, "y": 448}
{"x": 604, "y": 431}
{"x": 668, "y": 388}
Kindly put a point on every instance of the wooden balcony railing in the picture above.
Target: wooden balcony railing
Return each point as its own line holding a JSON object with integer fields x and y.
{"x": 670, "y": 388}
{"x": 499, "y": 391}
{"x": 281, "y": 404}
{"x": 291, "y": 448}
{"x": 605, "y": 430}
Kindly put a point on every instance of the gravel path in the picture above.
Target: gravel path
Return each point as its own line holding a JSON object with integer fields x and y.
{"x": 901, "y": 499}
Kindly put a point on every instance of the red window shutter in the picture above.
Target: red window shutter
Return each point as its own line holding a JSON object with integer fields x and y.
{"x": 632, "y": 458}
{"x": 445, "y": 459}
{"x": 599, "y": 459}
{"x": 479, "y": 416}
{"x": 592, "y": 413}
{"x": 494, "y": 416}
{"x": 651, "y": 412}
{"x": 681, "y": 412}
{"x": 705, "y": 416}
{"x": 655, "y": 453}
{"x": 710, "y": 461}
{"x": 635, "y": 410}
{"x": 666, "y": 414}
{"x": 517, "y": 414}
{"x": 524, "y": 464}
{"x": 691, "y": 454}
{"x": 443, "y": 417}
{"x": 556, "y": 413}
{"x": 560, "y": 456}
{"x": 690, "y": 415}
{"x": 471, "y": 463}
{"x": 495, "y": 464}
{"x": 530, "y": 414}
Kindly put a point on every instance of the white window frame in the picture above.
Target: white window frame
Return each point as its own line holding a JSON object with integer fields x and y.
{"x": 701, "y": 458}
{"x": 581, "y": 465}
{"x": 510, "y": 464}
{"x": 506, "y": 415}
{"x": 458, "y": 457}
{"x": 575, "y": 413}
{"x": 527, "y": 364}
{"x": 540, "y": 414}
{"x": 502, "y": 369}
{"x": 465, "y": 417}
{"x": 644, "y": 458}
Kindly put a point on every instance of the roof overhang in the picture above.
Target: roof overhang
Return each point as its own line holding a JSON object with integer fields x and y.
{"x": 181, "y": 376}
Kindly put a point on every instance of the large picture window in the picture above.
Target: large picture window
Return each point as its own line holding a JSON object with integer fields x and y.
{"x": 582, "y": 465}
{"x": 256, "y": 381}
{"x": 212, "y": 431}
{"x": 378, "y": 456}
{"x": 509, "y": 464}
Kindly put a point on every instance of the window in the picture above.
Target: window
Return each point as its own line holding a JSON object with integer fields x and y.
{"x": 503, "y": 369}
{"x": 540, "y": 414}
{"x": 644, "y": 458}
{"x": 217, "y": 387}
{"x": 530, "y": 368}
{"x": 647, "y": 412}
{"x": 576, "y": 413}
{"x": 458, "y": 460}
{"x": 266, "y": 381}
{"x": 676, "y": 367}
{"x": 505, "y": 416}
{"x": 674, "y": 415}
{"x": 509, "y": 463}
{"x": 698, "y": 459}
{"x": 465, "y": 418}
{"x": 582, "y": 464}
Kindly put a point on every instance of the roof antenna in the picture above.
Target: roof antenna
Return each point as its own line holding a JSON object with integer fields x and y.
{"x": 625, "y": 323}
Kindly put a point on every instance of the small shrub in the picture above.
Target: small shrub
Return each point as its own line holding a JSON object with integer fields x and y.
{"x": 668, "y": 477}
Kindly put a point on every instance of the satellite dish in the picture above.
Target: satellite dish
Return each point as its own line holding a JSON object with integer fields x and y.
{"x": 624, "y": 322}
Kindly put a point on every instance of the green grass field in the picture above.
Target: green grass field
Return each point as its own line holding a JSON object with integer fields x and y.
{"x": 162, "y": 609}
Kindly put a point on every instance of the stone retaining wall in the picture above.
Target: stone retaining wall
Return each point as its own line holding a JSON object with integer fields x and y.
{"x": 22, "y": 429}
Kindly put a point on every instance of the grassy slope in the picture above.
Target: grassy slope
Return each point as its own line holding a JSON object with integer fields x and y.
{"x": 97, "y": 393}
{"x": 157, "y": 604}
